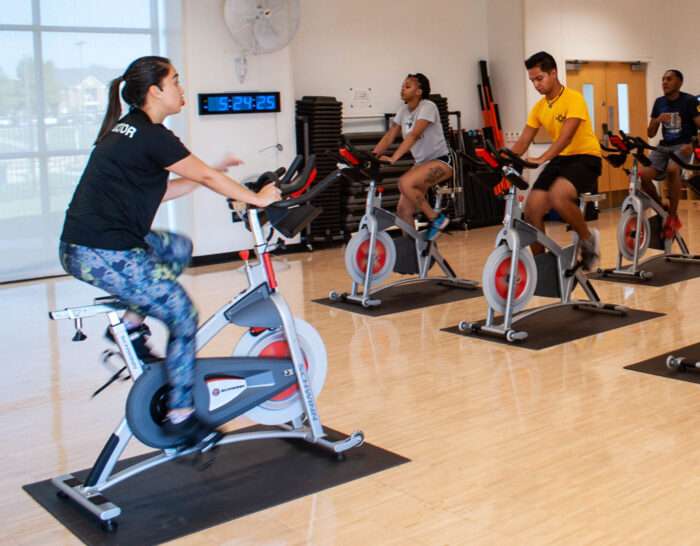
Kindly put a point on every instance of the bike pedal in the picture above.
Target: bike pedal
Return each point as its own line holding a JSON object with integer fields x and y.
{"x": 572, "y": 271}
{"x": 107, "y": 354}
{"x": 111, "y": 380}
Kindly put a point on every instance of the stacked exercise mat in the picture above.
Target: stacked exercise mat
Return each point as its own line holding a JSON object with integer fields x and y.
{"x": 318, "y": 126}
{"x": 443, "y": 110}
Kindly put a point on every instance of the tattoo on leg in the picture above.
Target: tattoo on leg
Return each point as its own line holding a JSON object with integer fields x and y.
{"x": 434, "y": 174}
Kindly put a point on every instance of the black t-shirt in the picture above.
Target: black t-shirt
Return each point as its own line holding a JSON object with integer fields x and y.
{"x": 682, "y": 126}
{"x": 123, "y": 184}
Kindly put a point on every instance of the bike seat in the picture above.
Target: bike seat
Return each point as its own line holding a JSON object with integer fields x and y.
{"x": 592, "y": 197}
{"x": 444, "y": 189}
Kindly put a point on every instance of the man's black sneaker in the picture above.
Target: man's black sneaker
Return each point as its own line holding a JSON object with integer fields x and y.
{"x": 139, "y": 337}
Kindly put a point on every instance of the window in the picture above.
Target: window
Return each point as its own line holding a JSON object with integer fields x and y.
{"x": 589, "y": 97}
{"x": 57, "y": 58}
{"x": 623, "y": 107}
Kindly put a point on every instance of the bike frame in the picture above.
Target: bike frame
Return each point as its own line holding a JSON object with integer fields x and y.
{"x": 376, "y": 219}
{"x": 640, "y": 202}
{"x": 260, "y": 294}
{"x": 517, "y": 234}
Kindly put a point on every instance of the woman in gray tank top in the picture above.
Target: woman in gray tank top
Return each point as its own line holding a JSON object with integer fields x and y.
{"x": 418, "y": 121}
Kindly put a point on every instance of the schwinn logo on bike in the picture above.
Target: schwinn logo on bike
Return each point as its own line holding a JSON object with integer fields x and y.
{"x": 222, "y": 391}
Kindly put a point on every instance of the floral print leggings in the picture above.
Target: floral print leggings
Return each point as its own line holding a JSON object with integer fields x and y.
{"x": 146, "y": 281}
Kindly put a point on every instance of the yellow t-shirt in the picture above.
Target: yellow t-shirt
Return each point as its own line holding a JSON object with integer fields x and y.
{"x": 570, "y": 104}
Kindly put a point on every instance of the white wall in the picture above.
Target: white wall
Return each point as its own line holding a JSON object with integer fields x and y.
{"x": 505, "y": 61}
{"x": 369, "y": 44}
{"x": 209, "y": 54}
{"x": 661, "y": 34}
{"x": 676, "y": 23}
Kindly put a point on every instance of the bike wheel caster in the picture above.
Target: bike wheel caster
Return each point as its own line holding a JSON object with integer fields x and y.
{"x": 358, "y": 436}
{"x": 464, "y": 326}
{"x": 340, "y": 457}
{"x": 334, "y": 296}
{"x": 109, "y": 525}
{"x": 512, "y": 336}
{"x": 61, "y": 495}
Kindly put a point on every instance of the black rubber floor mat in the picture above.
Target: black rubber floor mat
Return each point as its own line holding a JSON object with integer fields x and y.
{"x": 665, "y": 272}
{"x": 657, "y": 365}
{"x": 175, "y": 499}
{"x": 406, "y": 297}
{"x": 562, "y": 324}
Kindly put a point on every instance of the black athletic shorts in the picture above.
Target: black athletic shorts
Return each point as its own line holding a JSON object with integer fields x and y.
{"x": 581, "y": 170}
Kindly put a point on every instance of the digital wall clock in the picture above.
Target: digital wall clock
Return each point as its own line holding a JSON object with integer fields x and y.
{"x": 238, "y": 103}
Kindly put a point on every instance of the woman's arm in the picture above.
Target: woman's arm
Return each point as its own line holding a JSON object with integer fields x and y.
{"x": 178, "y": 187}
{"x": 387, "y": 140}
{"x": 195, "y": 170}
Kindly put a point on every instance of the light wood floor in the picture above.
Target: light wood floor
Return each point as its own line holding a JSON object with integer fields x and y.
{"x": 508, "y": 445}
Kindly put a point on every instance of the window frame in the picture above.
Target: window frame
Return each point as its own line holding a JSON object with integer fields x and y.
{"x": 42, "y": 154}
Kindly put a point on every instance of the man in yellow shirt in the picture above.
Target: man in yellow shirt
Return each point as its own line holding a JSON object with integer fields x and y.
{"x": 573, "y": 160}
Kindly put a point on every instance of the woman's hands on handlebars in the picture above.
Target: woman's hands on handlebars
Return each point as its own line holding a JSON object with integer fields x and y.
{"x": 270, "y": 193}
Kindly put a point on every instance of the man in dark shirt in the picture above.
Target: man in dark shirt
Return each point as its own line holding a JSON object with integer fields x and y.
{"x": 678, "y": 115}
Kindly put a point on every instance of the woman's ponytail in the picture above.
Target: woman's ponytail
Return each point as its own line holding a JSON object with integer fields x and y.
{"x": 138, "y": 78}
{"x": 114, "y": 109}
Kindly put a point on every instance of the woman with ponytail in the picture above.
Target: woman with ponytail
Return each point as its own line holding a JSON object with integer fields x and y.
{"x": 107, "y": 239}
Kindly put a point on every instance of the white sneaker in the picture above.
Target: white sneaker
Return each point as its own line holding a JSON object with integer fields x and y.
{"x": 590, "y": 251}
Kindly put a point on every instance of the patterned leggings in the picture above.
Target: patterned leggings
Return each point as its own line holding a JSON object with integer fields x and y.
{"x": 146, "y": 281}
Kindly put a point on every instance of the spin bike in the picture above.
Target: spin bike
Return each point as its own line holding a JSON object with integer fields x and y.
{"x": 681, "y": 363}
{"x": 274, "y": 376}
{"x": 509, "y": 284}
{"x": 372, "y": 254}
{"x": 636, "y": 231}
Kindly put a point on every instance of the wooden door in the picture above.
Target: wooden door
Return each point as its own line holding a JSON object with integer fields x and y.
{"x": 591, "y": 82}
{"x": 623, "y": 83}
{"x": 618, "y": 95}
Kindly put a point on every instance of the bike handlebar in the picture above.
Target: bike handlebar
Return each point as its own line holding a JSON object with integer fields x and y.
{"x": 294, "y": 167}
{"x": 493, "y": 165}
{"x": 625, "y": 144}
{"x": 289, "y": 186}
{"x": 517, "y": 162}
{"x": 689, "y": 166}
{"x": 286, "y": 183}
{"x": 358, "y": 165}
